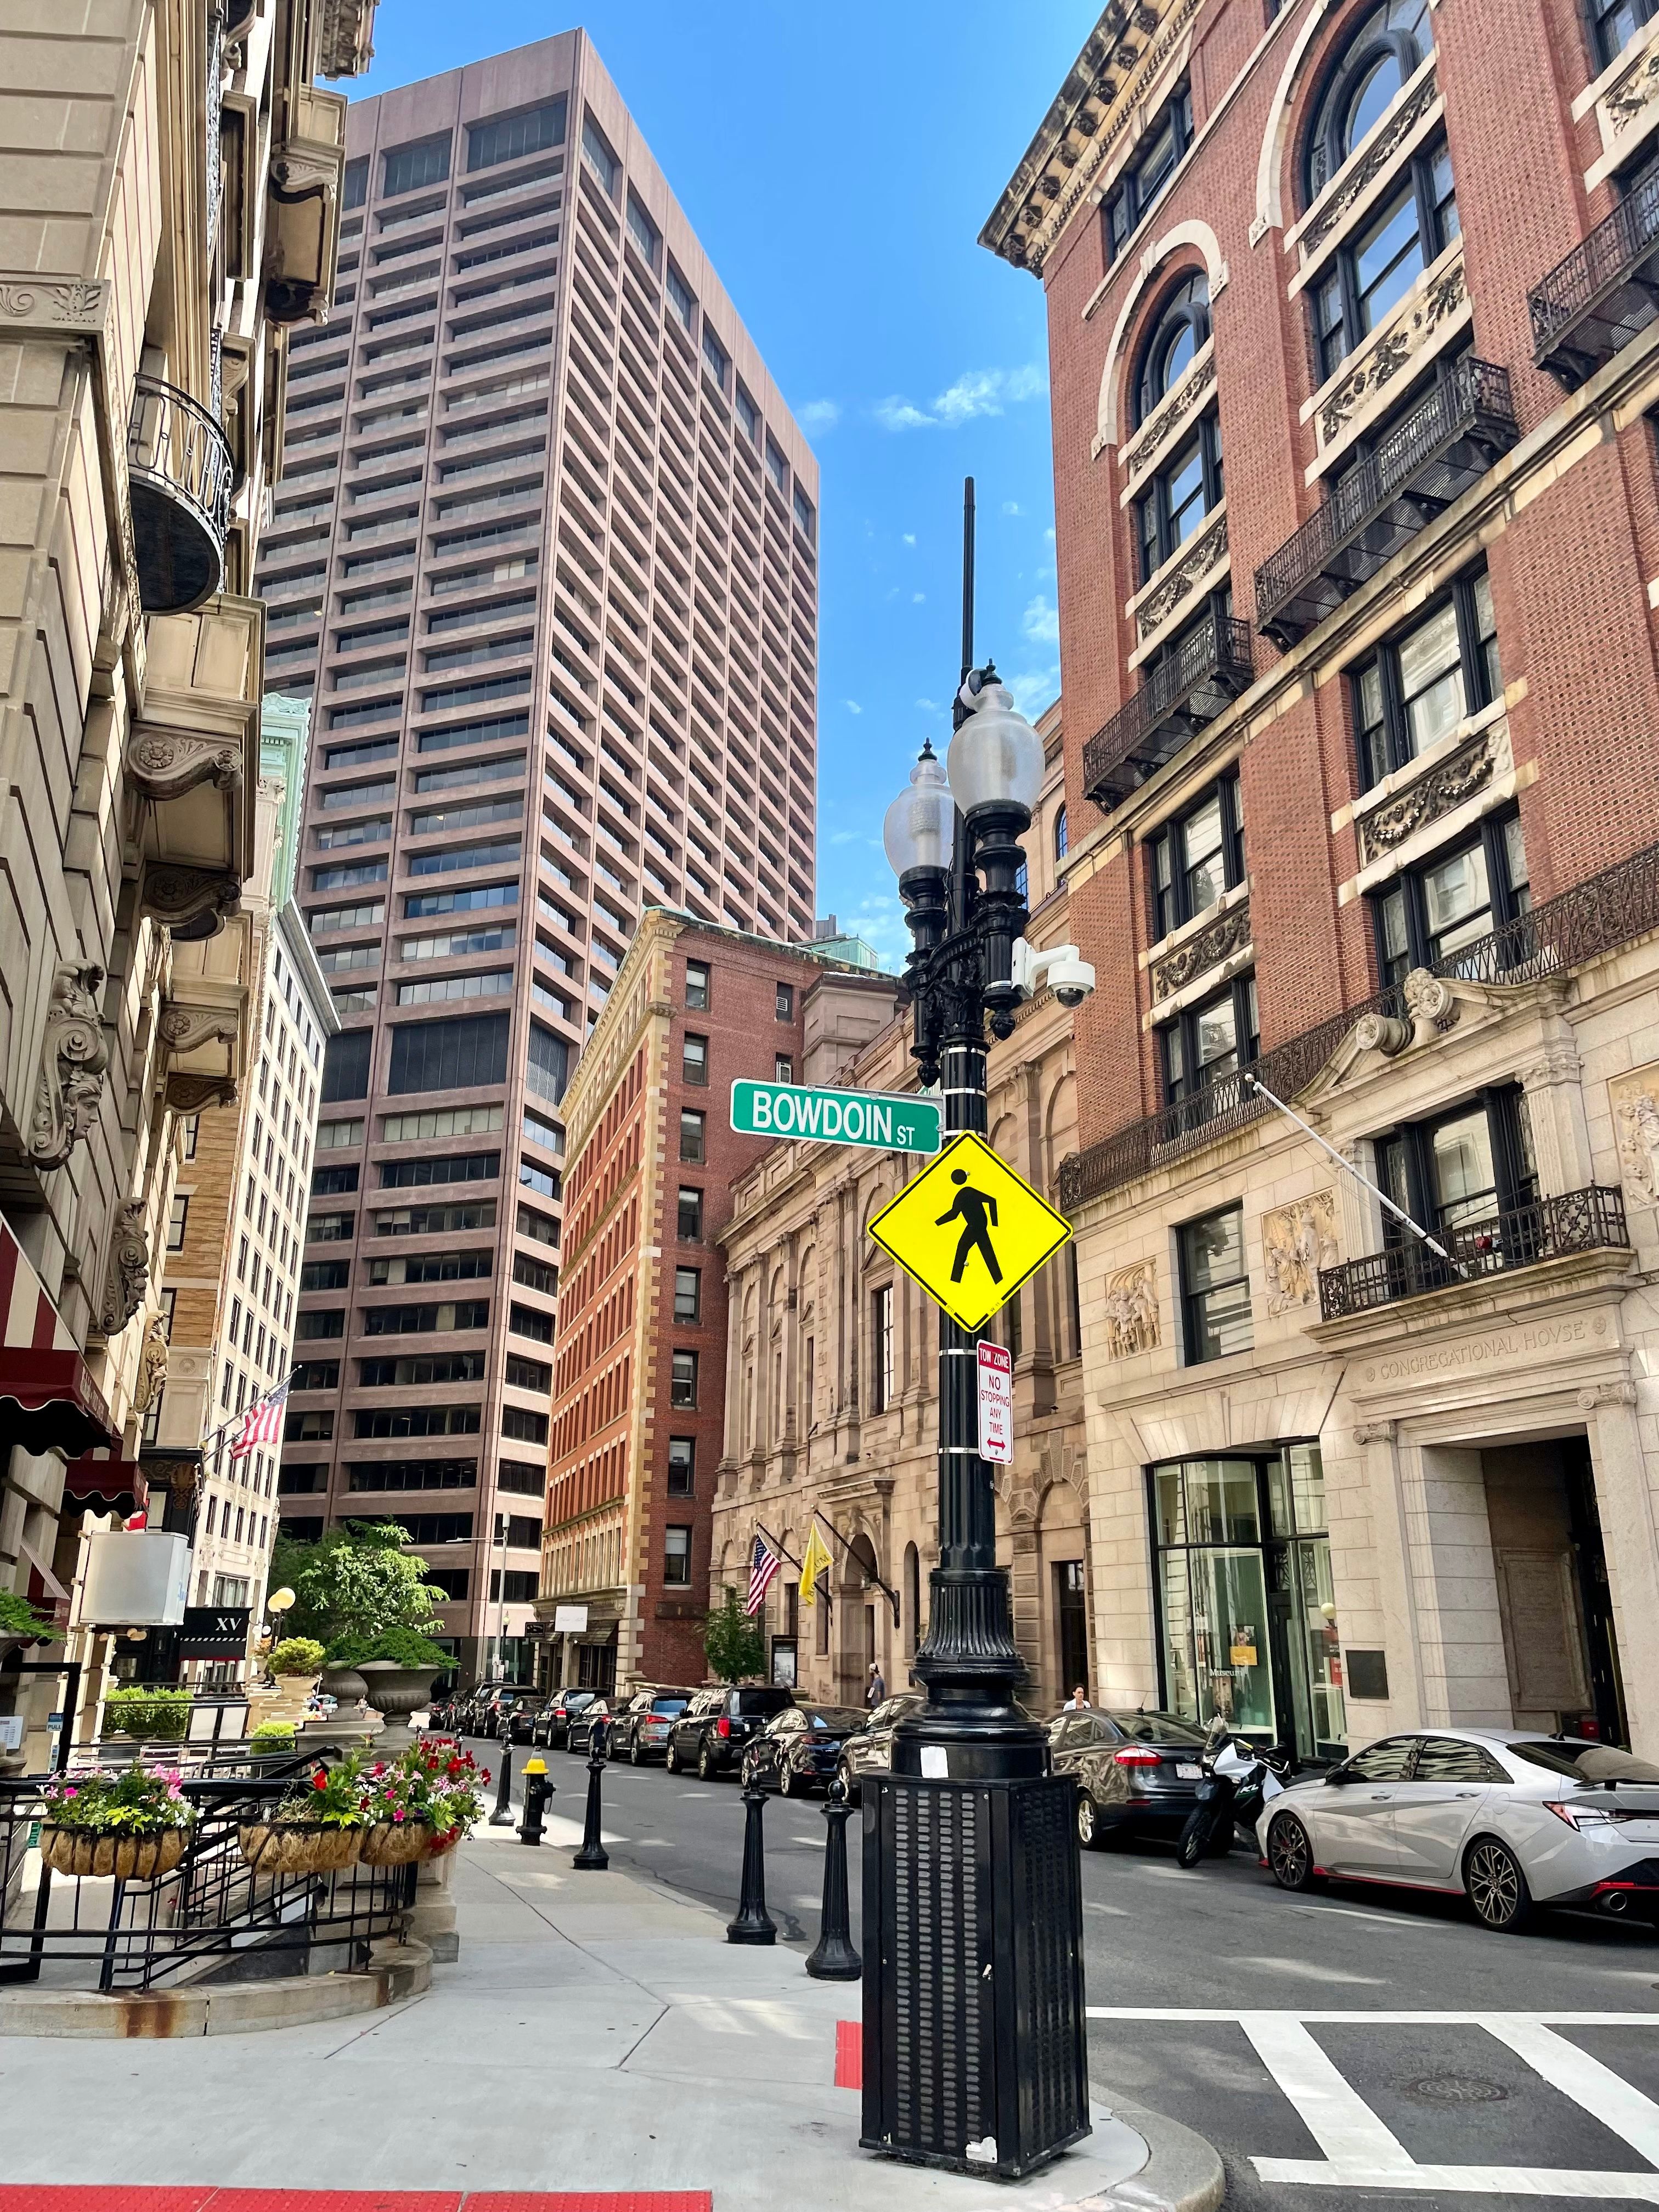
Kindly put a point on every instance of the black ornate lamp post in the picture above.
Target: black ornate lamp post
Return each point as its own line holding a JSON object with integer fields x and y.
{"x": 974, "y": 2023}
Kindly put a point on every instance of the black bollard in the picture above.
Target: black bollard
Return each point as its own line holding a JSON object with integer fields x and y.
{"x": 833, "y": 1959}
{"x": 753, "y": 1923}
{"x": 502, "y": 1815}
{"x": 593, "y": 1857}
{"x": 537, "y": 1791}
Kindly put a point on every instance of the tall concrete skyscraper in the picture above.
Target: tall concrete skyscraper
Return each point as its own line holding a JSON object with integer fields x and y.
{"x": 546, "y": 548}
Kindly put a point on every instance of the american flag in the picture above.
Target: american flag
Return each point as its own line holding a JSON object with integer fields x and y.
{"x": 263, "y": 1423}
{"x": 763, "y": 1563}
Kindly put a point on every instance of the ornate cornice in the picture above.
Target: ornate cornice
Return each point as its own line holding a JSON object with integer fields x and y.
{"x": 1099, "y": 102}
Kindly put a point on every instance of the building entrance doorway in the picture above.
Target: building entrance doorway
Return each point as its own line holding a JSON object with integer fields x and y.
{"x": 1072, "y": 1623}
{"x": 1554, "y": 1602}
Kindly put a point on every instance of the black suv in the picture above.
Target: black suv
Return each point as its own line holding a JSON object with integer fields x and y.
{"x": 711, "y": 1733}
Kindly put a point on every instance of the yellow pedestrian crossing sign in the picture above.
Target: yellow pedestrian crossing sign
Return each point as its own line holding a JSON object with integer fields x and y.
{"x": 969, "y": 1231}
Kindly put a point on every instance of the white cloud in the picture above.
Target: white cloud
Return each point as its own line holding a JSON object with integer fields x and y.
{"x": 976, "y": 392}
{"x": 1048, "y": 535}
{"x": 1040, "y": 621}
{"x": 852, "y": 706}
{"x": 928, "y": 706}
{"x": 908, "y": 538}
{"x": 1010, "y": 507}
{"x": 817, "y": 415}
{"x": 1036, "y": 688}
{"x": 916, "y": 597}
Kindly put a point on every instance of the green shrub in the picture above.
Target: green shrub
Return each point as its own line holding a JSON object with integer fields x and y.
{"x": 403, "y": 1647}
{"x": 295, "y": 1655}
{"x": 160, "y": 1715}
{"x": 19, "y": 1618}
{"x": 273, "y": 1735}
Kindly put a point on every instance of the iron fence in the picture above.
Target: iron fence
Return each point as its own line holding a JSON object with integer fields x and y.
{"x": 1596, "y": 916}
{"x": 212, "y": 1915}
{"x": 1590, "y": 1220}
{"x": 1209, "y": 666}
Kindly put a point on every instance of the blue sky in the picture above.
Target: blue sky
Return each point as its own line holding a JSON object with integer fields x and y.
{"x": 837, "y": 164}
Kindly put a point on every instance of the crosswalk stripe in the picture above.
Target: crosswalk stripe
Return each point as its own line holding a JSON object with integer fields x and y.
{"x": 1366, "y": 2019}
{"x": 1332, "y": 2110}
{"x": 1467, "y": 2180}
{"x": 1607, "y": 2096}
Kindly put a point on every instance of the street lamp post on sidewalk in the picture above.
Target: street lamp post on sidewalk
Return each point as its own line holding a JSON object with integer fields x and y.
{"x": 994, "y": 1964}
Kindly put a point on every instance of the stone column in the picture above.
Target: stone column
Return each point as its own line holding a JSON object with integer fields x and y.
{"x": 1465, "y": 1678}
{"x": 1630, "y": 1533}
{"x": 1553, "y": 1085}
{"x": 1393, "y": 1622}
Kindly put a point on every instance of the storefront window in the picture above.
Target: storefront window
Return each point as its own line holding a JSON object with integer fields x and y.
{"x": 1247, "y": 1614}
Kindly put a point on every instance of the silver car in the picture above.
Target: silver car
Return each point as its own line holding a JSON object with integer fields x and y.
{"x": 1509, "y": 1817}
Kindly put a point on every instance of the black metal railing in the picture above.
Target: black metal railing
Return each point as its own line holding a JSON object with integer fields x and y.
{"x": 211, "y": 1913}
{"x": 1597, "y": 299}
{"x": 1591, "y": 1220}
{"x": 180, "y": 468}
{"x": 1432, "y": 455}
{"x": 1605, "y": 911}
{"x": 1208, "y": 667}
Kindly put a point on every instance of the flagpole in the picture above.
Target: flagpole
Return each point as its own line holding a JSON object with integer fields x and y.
{"x": 870, "y": 1574}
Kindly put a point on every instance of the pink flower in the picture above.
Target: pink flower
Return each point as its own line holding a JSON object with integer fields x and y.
{"x": 397, "y": 1814}
{"x": 72, "y": 1793}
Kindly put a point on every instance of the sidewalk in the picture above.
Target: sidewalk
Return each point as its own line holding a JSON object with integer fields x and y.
{"x": 596, "y": 2033}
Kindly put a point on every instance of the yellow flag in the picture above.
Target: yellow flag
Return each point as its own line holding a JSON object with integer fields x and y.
{"x": 814, "y": 1558}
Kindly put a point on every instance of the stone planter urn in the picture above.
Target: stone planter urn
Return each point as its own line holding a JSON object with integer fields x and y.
{"x": 397, "y": 1691}
{"x": 285, "y": 1700}
{"x": 343, "y": 1683}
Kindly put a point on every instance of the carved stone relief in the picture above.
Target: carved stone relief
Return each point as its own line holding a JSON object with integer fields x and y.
{"x": 74, "y": 1059}
{"x": 126, "y": 1274}
{"x": 1634, "y": 99}
{"x": 1206, "y": 554}
{"x": 152, "y": 1367}
{"x": 1229, "y": 934}
{"x": 1298, "y": 1240}
{"x": 180, "y": 896}
{"x": 166, "y": 764}
{"x": 1398, "y": 343}
{"x": 186, "y": 1029}
{"x": 1444, "y": 788}
{"x": 1130, "y": 1311}
{"x": 1635, "y": 1100}
{"x": 189, "y": 1094}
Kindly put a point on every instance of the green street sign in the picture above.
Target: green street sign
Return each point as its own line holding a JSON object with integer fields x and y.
{"x": 886, "y": 1121}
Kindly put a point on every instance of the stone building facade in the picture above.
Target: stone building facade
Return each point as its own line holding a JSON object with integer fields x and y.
{"x": 639, "y": 1383}
{"x": 1353, "y": 368}
{"x": 832, "y": 1362}
{"x": 173, "y": 188}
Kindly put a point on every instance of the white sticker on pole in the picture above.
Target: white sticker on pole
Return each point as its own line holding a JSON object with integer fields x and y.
{"x": 996, "y": 1404}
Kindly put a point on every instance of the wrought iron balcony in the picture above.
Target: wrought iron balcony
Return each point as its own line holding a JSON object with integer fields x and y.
{"x": 1210, "y": 666}
{"x": 1445, "y": 444}
{"x": 1591, "y": 1220}
{"x": 1605, "y": 290}
{"x": 1605, "y": 911}
{"x": 180, "y": 468}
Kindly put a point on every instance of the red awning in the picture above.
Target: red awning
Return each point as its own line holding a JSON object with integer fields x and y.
{"x": 104, "y": 1482}
{"x": 47, "y": 1398}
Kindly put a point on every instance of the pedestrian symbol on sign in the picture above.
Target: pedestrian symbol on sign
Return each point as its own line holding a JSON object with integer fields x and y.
{"x": 976, "y": 1210}
{"x": 969, "y": 1231}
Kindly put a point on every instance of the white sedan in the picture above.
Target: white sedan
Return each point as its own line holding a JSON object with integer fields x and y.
{"x": 1508, "y": 1817}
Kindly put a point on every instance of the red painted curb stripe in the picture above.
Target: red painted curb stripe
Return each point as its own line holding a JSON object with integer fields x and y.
{"x": 850, "y": 2054}
{"x": 207, "y": 2196}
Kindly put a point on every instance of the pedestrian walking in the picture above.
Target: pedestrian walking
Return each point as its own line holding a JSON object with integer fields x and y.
{"x": 1080, "y": 1700}
{"x": 875, "y": 1690}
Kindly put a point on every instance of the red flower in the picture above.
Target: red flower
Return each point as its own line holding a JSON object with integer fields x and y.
{"x": 319, "y": 1780}
{"x": 484, "y": 1777}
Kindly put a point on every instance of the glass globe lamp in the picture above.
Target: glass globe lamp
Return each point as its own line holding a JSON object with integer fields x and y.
{"x": 920, "y": 830}
{"x": 996, "y": 757}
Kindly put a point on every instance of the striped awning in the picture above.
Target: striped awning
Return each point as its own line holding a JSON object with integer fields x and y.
{"x": 48, "y": 1401}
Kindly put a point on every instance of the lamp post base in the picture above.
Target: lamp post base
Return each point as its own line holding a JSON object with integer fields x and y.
{"x": 975, "y": 2028}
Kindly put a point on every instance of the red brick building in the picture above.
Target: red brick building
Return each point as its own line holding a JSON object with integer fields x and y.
{"x": 638, "y": 1406}
{"x": 1353, "y": 358}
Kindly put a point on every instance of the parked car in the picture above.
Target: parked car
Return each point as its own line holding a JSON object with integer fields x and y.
{"x": 1136, "y": 1772}
{"x": 869, "y": 1748}
{"x": 549, "y": 1723}
{"x": 642, "y": 1724}
{"x": 578, "y": 1728}
{"x": 711, "y": 1733}
{"x": 441, "y": 1714}
{"x": 494, "y": 1710}
{"x": 799, "y": 1748}
{"x": 1510, "y": 1819}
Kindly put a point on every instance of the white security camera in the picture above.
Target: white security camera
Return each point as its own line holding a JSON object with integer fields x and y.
{"x": 1062, "y": 968}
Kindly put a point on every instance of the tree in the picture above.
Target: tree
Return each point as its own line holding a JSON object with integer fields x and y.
{"x": 356, "y": 1578}
{"x": 732, "y": 1642}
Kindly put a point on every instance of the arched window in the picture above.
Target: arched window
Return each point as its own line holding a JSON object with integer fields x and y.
{"x": 1383, "y": 50}
{"x": 1182, "y": 327}
{"x": 1059, "y": 834}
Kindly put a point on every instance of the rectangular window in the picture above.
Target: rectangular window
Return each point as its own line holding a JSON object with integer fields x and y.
{"x": 192, "y": 1128}
{"x": 1143, "y": 183}
{"x": 1417, "y": 686}
{"x": 776, "y": 467}
{"x": 434, "y": 1220}
{"x": 690, "y": 1215}
{"x": 448, "y": 1055}
{"x": 682, "y": 1382}
{"x": 1372, "y": 271}
{"x": 335, "y": 1136}
{"x": 316, "y": 1375}
{"x": 321, "y": 1322}
{"x": 681, "y": 297}
{"x": 516, "y": 1586}
{"x": 353, "y": 189}
{"x": 677, "y": 1555}
{"x": 526, "y": 1427}
{"x": 1206, "y": 1043}
{"x": 546, "y": 1064}
{"x": 485, "y": 983}
{"x": 519, "y": 1476}
{"x": 715, "y": 358}
{"x": 448, "y": 1167}
{"x": 806, "y": 516}
{"x": 783, "y": 1068}
{"x": 178, "y": 1215}
{"x": 682, "y": 1467}
{"x": 325, "y": 1275}
{"x": 334, "y": 1182}
{"x": 407, "y": 169}
{"x": 341, "y": 878}
{"x": 1455, "y": 902}
{"x": 1215, "y": 1289}
{"x": 1463, "y": 1169}
{"x": 421, "y": 903}
{"x": 417, "y": 1421}
{"x": 692, "y": 1123}
{"x": 600, "y": 158}
{"x": 688, "y": 1294}
{"x": 1197, "y": 857}
{"x": 645, "y": 234}
{"x": 509, "y": 137}
{"x": 881, "y": 1348}
{"x": 694, "y": 1059}
{"x": 785, "y": 1008}
{"x": 696, "y": 986}
{"x": 522, "y": 1374}
{"x": 308, "y": 1428}
{"x": 748, "y": 415}
{"x": 541, "y": 1227}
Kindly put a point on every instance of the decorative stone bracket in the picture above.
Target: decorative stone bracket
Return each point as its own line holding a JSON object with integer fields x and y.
{"x": 152, "y": 1367}
{"x": 184, "y": 898}
{"x": 73, "y": 1061}
{"x": 164, "y": 764}
{"x": 127, "y": 1271}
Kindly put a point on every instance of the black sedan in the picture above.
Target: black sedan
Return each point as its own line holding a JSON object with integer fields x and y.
{"x": 642, "y": 1724}
{"x": 711, "y": 1733}
{"x": 1136, "y": 1772}
{"x": 799, "y": 1748}
{"x": 549, "y": 1724}
{"x": 578, "y": 1727}
{"x": 868, "y": 1748}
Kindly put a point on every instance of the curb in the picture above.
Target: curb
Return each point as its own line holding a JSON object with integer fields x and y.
{"x": 395, "y": 1971}
{"x": 1183, "y": 2171}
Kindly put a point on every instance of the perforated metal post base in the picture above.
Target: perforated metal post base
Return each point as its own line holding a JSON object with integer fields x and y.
{"x": 974, "y": 2030}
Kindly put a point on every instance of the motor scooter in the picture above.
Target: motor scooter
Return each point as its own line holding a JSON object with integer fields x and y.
{"x": 1239, "y": 1779}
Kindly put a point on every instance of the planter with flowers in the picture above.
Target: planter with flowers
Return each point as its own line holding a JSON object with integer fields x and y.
{"x": 454, "y": 1784}
{"x": 132, "y": 1824}
{"x": 317, "y": 1828}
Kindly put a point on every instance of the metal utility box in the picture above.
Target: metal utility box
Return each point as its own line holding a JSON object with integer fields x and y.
{"x": 136, "y": 1578}
{"x": 974, "y": 2018}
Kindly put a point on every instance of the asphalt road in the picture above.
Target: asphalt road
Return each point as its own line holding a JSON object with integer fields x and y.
{"x": 1344, "y": 2033}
